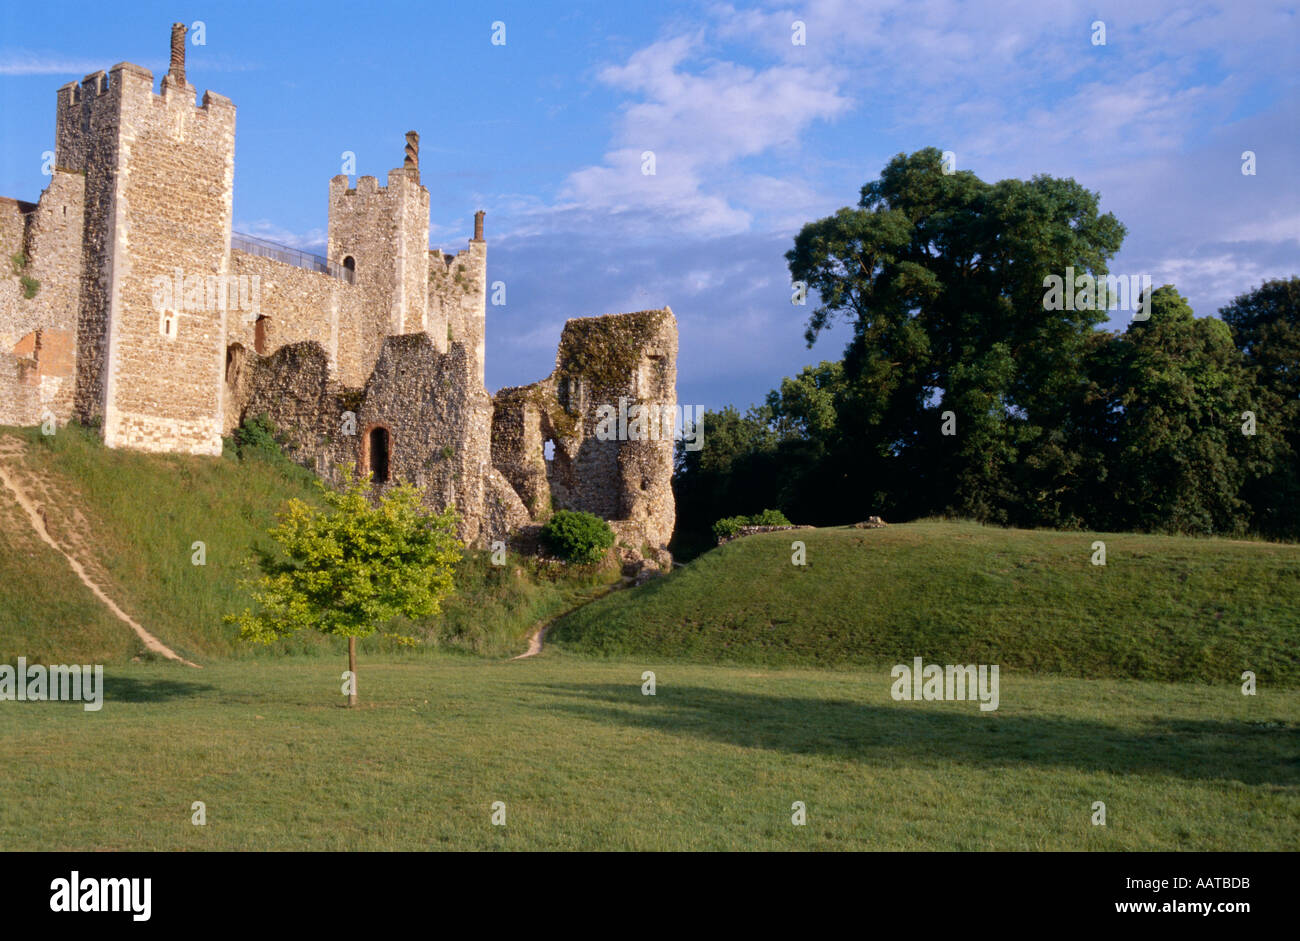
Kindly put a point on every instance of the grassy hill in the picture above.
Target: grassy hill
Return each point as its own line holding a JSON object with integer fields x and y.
{"x": 1162, "y": 608}
{"x": 134, "y": 518}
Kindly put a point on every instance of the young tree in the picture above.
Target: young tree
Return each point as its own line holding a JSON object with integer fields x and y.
{"x": 349, "y": 568}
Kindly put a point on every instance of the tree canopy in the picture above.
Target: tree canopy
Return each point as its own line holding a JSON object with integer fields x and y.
{"x": 966, "y": 389}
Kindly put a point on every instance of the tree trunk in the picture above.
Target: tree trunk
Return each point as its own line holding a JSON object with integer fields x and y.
{"x": 352, "y": 668}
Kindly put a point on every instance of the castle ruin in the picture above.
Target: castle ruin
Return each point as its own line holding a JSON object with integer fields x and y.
{"x": 132, "y": 306}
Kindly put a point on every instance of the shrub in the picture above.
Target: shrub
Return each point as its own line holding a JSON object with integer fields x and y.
{"x": 256, "y": 438}
{"x": 577, "y": 537}
{"x": 730, "y": 526}
{"x": 769, "y": 518}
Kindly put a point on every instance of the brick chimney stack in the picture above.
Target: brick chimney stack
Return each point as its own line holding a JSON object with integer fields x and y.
{"x": 412, "y": 161}
{"x": 177, "y": 70}
{"x": 478, "y": 225}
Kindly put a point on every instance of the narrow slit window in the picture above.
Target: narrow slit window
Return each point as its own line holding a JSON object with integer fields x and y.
{"x": 378, "y": 448}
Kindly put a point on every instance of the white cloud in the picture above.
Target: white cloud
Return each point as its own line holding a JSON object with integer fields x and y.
{"x": 24, "y": 62}
{"x": 313, "y": 240}
{"x": 1277, "y": 228}
{"x": 30, "y": 62}
{"x": 699, "y": 116}
{"x": 1215, "y": 278}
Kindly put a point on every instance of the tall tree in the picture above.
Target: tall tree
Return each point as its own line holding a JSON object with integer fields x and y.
{"x": 727, "y": 476}
{"x": 1179, "y": 457}
{"x": 1265, "y": 326}
{"x": 942, "y": 277}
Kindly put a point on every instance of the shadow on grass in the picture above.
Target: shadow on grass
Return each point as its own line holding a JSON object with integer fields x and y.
{"x": 946, "y": 733}
{"x": 133, "y": 689}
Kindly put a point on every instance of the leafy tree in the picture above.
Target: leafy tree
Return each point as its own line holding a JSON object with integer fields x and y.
{"x": 731, "y": 437}
{"x": 1178, "y": 459}
{"x": 732, "y": 473}
{"x": 804, "y": 407}
{"x": 803, "y": 416}
{"x": 965, "y": 391}
{"x": 941, "y": 276}
{"x": 353, "y": 566}
{"x": 1265, "y": 326}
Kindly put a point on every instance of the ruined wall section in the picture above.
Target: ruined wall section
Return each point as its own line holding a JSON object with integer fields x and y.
{"x": 53, "y": 248}
{"x": 616, "y": 361}
{"x": 13, "y": 225}
{"x": 521, "y": 426}
{"x": 293, "y": 387}
{"x": 36, "y": 378}
{"x": 437, "y": 420}
{"x": 41, "y": 330}
{"x": 19, "y": 385}
{"x": 458, "y": 301}
{"x": 17, "y": 314}
{"x": 20, "y": 390}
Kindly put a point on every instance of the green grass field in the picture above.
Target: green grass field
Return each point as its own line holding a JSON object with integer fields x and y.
{"x": 1119, "y": 684}
{"x": 583, "y": 760}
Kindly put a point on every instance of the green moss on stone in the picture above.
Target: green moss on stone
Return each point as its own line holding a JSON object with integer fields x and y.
{"x": 604, "y": 351}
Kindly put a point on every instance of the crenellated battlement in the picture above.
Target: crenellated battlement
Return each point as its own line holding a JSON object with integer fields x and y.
{"x": 92, "y": 114}
{"x": 382, "y": 234}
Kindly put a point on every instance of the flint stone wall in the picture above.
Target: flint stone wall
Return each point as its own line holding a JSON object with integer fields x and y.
{"x": 438, "y": 424}
{"x": 615, "y": 361}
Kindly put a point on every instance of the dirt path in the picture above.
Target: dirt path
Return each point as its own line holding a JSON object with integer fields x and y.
{"x": 538, "y": 636}
{"x": 12, "y": 449}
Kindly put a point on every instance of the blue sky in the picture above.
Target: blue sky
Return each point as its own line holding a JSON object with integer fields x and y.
{"x": 752, "y": 136}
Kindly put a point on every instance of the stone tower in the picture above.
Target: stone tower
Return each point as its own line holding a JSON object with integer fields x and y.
{"x": 381, "y": 233}
{"x": 159, "y": 179}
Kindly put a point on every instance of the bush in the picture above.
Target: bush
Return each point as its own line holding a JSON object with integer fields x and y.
{"x": 769, "y": 518}
{"x": 730, "y": 526}
{"x": 577, "y": 537}
{"x": 256, "y": 438}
